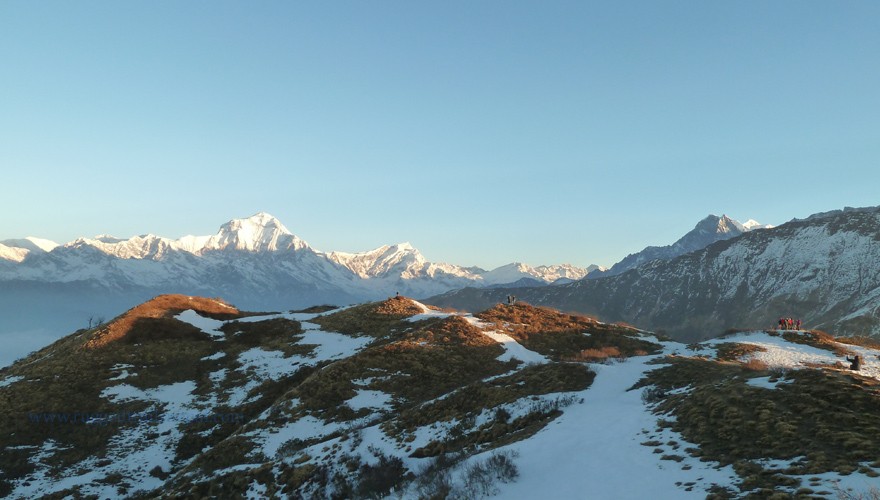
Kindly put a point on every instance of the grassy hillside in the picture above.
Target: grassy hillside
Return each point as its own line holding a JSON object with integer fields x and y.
{"x": 191, "y": 397}
{"x": 778, "y": 421}
{"x": 179, "y": 389}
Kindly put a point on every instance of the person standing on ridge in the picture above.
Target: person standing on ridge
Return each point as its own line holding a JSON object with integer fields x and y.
{"x": 855, "y": 362}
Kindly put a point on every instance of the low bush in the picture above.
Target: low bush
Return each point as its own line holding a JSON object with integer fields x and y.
{"x": 652, "y": 395}
{"x": 377, "y": 480}
{"x": 736, "y": 351}
{"x": 756, "y": 365}
{"x": 481, "y": 477}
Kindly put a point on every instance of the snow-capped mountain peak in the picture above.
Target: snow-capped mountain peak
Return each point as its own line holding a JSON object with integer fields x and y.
{"x": 259, "y": 232}
{"x": 15, "y": 254}
{"x": 106, "y": 238}
{"x": 713, "y": 224}
{"x": 42, "y": 244}
{"x": 752, "y": 224}
{"x": 517, "y": 270}
{"x": 709, "y": 230}
{"x": 380, "y": 261}
{"x": 726, "y": 225}
{"x": 17, "y": 249}
{"x": 250, "y": 257}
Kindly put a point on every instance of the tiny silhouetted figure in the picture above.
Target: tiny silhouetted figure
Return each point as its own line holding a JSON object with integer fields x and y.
{"x": 798, "y": 323}
{"x": 855, "y": 362}
{"x": 397, "y": 294}
{"x": 513, "y": 297}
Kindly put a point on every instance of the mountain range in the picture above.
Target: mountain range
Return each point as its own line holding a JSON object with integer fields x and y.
{"x": 254, "y": 262}
{"x": 191, "y": 397}
{"x": 822, "y": 269}
{"x": 48, "y": 289}
{"x": 252, "y": 258}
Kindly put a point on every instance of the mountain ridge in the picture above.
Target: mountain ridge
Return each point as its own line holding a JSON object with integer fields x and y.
{"x": 709, "y": 230}
{"x": 819, "y": 268}
{"x": 263, "y": 233}
{"x": 256, "y": 262}
{"x": 191, "y": 397}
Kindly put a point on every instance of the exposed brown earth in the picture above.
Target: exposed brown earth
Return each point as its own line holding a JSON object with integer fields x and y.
{"x": 138, "y": 319}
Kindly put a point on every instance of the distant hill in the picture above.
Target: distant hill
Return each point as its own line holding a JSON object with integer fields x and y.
{"x": 191, "y": 397}
{"x": 821, "y": 269}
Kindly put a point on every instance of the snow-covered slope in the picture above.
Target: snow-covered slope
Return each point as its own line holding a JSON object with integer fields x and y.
{"x": 185, "y": 396}
{"x": 260, "y": 237}
{"x": 706, "y": 232}
{"x": 400, "y": 259}
{"x": 17, "y": 250}
{"x": 548, "y": 274}
{"x": 822, "y": 269}
{"x": 258, "y": 233}
{"x": 261, "y": 241}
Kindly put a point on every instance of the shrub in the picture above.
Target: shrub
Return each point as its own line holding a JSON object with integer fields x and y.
{"x": 158, "y": 472}
{"x": 596, "y": 354}
{"x": 434, "y": 485}
{"x": 478, "y": 481}
{"x": 652, "y": 395}
{"x": 501, "y": 464}
{"x": 433, "y": 481}
{"x": 860, "y": 341}
{"x": 755, "y": 365}
{"x": 735, "y": 351}
{"x": 481, "y": 476}
{"x": 379, "y": 479}
{"x": 871, "y": 494}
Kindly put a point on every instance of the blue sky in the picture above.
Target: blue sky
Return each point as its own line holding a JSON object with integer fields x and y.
{"x": 481, "y": 132}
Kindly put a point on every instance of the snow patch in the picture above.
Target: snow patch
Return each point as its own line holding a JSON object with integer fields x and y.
{"x": 765, "y": 383}
{"x": 428, "y": 313}
{"x": 217, "y": 355}
{"x": 781, "y": 353}
{"x": 123, "y": 369}
{"x": 268, "y": 364}
{"x": 603, "y": 435}
{"x": 10, "y": 380}
{"x": 207, "y": 325}
{"x": 331, "y": 345}
{"x": 377, "y": 400}
{"x": 149, "y": 443}
{"x": 305, "y": 428}
{"x": 514, "y": 350}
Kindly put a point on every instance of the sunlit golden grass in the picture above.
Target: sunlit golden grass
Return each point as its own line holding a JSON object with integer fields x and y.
{"x": 163, "y": 306}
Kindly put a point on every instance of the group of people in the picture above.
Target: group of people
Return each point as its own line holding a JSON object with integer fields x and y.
{"x": 789, "y": 324}
{"x": 511, "y": 300}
